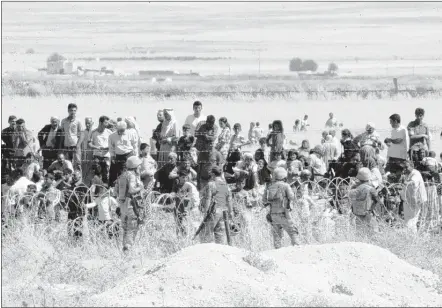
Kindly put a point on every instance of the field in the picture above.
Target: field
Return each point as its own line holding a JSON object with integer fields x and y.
{"x": 242, "y": 52}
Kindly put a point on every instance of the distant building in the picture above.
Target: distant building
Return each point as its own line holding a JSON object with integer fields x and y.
{"x": 57, "y": 64}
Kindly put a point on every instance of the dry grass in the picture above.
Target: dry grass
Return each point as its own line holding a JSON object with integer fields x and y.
{"x": 43, "y": 267}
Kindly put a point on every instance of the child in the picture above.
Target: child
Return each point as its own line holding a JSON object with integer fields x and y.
{"x": 294, "y": 166}
{"x": 48, "y": 197}
{"x": 304, "y": 123}
{"x": 297, "y": 126}
{"x": 430, "y": 163}
{"x": 186, "y": 168}
{"x": 277, "y": 162}
{"x": 186, "y": 142}
{"x": 240, "y": 196}
{"x": 263, "y": 152}
{"x": 30, "y": 166}
{"x": 186, "y": 199}
{"x": 148, "y": 167}
{"x": 264, "y": 175}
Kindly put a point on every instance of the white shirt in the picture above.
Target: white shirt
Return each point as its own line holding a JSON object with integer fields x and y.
{"x": 191, "y": 192}
{"x": 105, "y": 206}
{"x": 399, "y": 150}
{"x": 101, "y": 140}
{"x": 194, "y": 121}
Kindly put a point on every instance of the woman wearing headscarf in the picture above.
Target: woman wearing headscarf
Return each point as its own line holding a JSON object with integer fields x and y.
{"x": 133, "y": 128}
{"x": 376, "y": 177}
{"x": 168, "y": 137}
{"x": 224, "y": 137}
{"x": 275, "y": 139}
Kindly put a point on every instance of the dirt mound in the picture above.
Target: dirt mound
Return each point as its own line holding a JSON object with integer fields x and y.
{"x": 345, "y": 274}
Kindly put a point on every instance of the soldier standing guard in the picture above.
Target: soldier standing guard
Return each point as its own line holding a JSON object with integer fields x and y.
{"x": 279, "y": 196}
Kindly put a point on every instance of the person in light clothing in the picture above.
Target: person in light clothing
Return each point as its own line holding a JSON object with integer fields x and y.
{"x": 169, "y": 137}
{"x": 332, "y": 121}
{"x": 60, "y": 164}
{"x": 72, "y": 136}
{"x": 30, "y": 166}
{"x": 369, "y": 137}
{"x": 148, "y": 167}
{"x": 121, "y": 147}
{"x": 99, "y": 143}
{"x": 397, "y": 144}
{"x": 414, "y": 196}
{"x": 134, "y": 129}
{"x": 430, "y": 162}
{"x": 196, "y": 118}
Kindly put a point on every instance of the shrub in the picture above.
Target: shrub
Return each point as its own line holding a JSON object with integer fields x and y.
{"x": 332, "y": 68}
{"x": 295, "y": 65}
{"x": 309, "y": 65}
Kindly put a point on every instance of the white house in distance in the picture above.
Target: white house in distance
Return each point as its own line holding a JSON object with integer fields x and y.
{"x": 57, "y": 64}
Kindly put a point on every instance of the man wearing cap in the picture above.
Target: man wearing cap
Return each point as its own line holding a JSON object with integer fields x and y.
{"x": 121, "y": 147}
{"x": 279, "y": 196}
{"x": 369, "y": 137}
{"x": 363, "y": 200}
{"x": 216, "y": 198}
{"x": 129, "y": 188}
{"x": 7, "y": 148}
{"x": 50, "y": 138}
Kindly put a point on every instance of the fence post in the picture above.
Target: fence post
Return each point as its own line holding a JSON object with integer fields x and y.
{"x": 396, "y": 89}
{"x": 226, "y": 225}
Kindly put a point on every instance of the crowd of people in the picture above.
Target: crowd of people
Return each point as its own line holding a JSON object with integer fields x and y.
{"x": 202, "y": 167}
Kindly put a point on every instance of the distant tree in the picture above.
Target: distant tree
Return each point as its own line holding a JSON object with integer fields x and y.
{"x": 30, "y": 51}
{"x": 295, "y": 65}
{"x": 309, "y": 65}
{"x": 332, "y": 68}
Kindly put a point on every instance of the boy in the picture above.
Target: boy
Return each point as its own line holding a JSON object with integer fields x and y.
{"x": 186, "y": 199}
{"x": 186, "y": 142}
{"x": 263, "y": 152}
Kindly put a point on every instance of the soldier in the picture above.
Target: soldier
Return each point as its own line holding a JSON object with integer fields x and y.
{"x": 216, "y": 199}
{"x": 279, "y": 195}
{"x": 129, "y": 188}
{"x": 363, "y": 199}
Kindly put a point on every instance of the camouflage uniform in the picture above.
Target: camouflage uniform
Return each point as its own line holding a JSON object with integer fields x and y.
{"x": 216, "y": 191}
{"x": 279, "y": 195}
{"x": 131, "y": 215}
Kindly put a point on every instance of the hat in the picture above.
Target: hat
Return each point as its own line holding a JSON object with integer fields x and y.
{"x": 279, "y": 173}
{"x": 121, "y": 125}
{"x": 364, "y": 174}
{"x": 133, "y": 162}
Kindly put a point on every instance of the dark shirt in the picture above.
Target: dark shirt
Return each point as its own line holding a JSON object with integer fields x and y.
{"x": 418, "y": 129}
{"x": 205, "y": 137}
{"x": 156, "y": 136}
{"x": 162, "y": 176}
{"x": 184, "y": 145}
{"x": 7, "y": 134}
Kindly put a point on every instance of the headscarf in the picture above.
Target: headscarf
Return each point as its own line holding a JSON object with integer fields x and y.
{"x": 169, "y": 125}
{"x": 135, "y": 126}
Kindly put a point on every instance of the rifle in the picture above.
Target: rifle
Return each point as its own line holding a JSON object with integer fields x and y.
{"x": 206, "y": 219}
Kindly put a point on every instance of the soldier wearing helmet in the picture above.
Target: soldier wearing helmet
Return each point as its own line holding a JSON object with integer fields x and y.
{"x": 129, "y": 187}
{"x": 363, "y": 200}
{"x": 279, "y": 196}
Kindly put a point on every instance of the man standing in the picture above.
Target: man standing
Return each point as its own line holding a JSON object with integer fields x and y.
{"x": 99, "y": 142}
{"x": 72, "y": 136}
{"x": 121, "y": 147}
{"x": 420, "y": 142}
{"x": 331, "y": 122}
{"x": 156, "y": 135}
{"x": 194, "y": 119}
{"x": 86, "y": 152}
{"x": 279, "y": 196}
{"x": 24, "y": 143}
{"x": 50, "y": 138}
{"x": 397, "y": 144}
{"x": 7, "y": 148}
